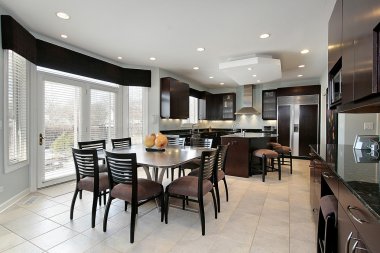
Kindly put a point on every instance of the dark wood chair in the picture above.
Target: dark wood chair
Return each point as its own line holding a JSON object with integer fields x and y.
{"x": 196, "y": 142}
{"x": 88, "y": 178}
{"x": 195, "y": 187}
{"x": 121, "y": 143}
{"x": 175, "y": 141}
{"x": 219, "y": 173}
{"x": 125, "y": 185}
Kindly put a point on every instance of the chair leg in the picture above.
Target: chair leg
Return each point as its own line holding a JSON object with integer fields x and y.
{"x": 183, "y": 202}
{"x": 133, "y": 222}
{"x": 214, "y": 201}
{"x": 264, "y": 167}
{"x": 166, "y": 207}
{"x": 105, "y": 219}
{"x": 80, "y": 194}
{"x": 93, "y": 214}
{"x": 73, "y": 203}
{"x": 125, "y": 206}
{"x": 291, "y": 162}
{"x": 279, "y": 168}
{"x": 216, "y": 186}
{"x": 162, "y": 200}
{"x": 172, "y": 169}
{"x": 202, "y": 213}
{"x": 100, "y": 199}
{"x": 225, "y": 186}
{"x": 105, "y": 197}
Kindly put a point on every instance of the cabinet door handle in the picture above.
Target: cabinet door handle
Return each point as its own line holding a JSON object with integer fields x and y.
{"x": 355, "y": 247}
{"x": 349, "y": 208}
{"x": 348, "y": 242}
{"x": 326, "y": 175}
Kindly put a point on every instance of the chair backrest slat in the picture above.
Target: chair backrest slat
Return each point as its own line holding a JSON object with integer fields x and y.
{"x": 201, "y": 142}
{"x": 121, "y": 143}
{"x": 176, "y": 141}
{"x": 122, "y": 168}
{"x": 98, "y": 144}
{"x": 86, "y": 162}
{"x": 207, "y": 165}
{"x": 222, "y": 155}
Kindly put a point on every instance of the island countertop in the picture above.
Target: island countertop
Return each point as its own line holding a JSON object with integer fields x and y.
{"x": 249, "y": 135}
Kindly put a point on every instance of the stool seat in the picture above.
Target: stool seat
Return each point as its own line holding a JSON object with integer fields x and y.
{"x": 283, "y": 149}
{"x": 265, "y": 153}
{"x": 274, "y": 145}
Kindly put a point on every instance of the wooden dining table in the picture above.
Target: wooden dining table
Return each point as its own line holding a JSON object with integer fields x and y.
{"x": 172, "y": 157}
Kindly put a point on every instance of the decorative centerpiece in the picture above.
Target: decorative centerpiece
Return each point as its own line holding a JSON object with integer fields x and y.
{"x": 155, "y": 143}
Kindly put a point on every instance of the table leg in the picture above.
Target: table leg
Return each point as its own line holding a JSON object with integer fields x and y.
{"x": 146, "y": 168}
{"x": 162, "y": 173}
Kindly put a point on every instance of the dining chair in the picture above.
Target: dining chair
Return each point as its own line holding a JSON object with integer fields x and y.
{"x": 175, "y": 141}
{"x": 124, "y": 185}
{"x": 121, "y": 142}
{"x": 88, "y": 178}
{"x": 219, "y": 173}
{"x": 195, "y": 187}
{"x": 196, "y": 142}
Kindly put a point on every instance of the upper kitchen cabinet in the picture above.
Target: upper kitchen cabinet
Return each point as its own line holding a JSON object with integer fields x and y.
{"x": 360, "y": 51}
{"x": 269, "y": 105}
{"x": 221, "y": 106}
{"x": 335, "y": 34}
{"x": 174, "y": 99}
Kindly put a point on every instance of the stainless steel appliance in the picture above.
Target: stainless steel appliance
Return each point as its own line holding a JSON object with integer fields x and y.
{"x": 298, "y": 122}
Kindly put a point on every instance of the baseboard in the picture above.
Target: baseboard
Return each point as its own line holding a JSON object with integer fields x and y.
{"x": 14, "y": 200}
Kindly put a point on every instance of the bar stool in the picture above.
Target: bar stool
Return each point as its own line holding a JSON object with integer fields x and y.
{"x": 285, "y": 152}
{"x": 264, "y": 154}
{"x": 327, "y": 224}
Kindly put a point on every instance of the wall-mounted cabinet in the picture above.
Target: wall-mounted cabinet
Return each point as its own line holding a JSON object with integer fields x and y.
{"x": 269, "y": 105}
{"x": 174, "y": 99}
{"x": 220, "y": 106}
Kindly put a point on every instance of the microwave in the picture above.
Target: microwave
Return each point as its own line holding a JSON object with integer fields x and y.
{"x": 336, "y": 87}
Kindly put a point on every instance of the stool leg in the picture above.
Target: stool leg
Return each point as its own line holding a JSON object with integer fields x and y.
{"x": 264, "y": 166}
{"x": 279, "y": 168}
{"x": 291, "y": 162}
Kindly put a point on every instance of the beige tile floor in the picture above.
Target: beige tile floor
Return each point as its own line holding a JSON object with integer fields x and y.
{"x": 274, "y": 216}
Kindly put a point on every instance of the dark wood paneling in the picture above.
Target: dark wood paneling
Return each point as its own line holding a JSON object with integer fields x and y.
{"x": 237, "y": 161}
{"x": 308, "y": 128}
{"x": 283, "y": 122}
{"x": 18, "y": 39}
{"x": 299, "y": 90}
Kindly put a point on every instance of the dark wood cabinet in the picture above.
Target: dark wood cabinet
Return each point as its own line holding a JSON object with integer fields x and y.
{"x": 174, "y": 99}
{"x": 335, "y": 35}
{"x": 238, "y": 151}
{"x": 269, "y": 105}
{"x": 220, "y": 106}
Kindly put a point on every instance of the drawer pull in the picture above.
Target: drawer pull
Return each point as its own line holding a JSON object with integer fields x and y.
{"x": 349, "y": 208}
{"x": 326, "y": 175}
{"x": 355, "y": 247}
{"x": 348, "y": 242}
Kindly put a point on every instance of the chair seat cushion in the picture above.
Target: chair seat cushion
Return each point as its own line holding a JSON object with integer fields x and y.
{"x": 283, "y": 150}
{"x": 188, "y": 186}
{"x": 87, "y": 183}
{"x": 265, "y": 152}
{"x": 145, "y": 189}
{"x": 274, "y": 145}
{"x": 102, "y": 168}
{"x": 195, "y": 172}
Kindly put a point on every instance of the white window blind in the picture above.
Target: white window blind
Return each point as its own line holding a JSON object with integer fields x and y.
{"x": 102, "y": 115}
{"x": 16, "y": 129}
{"x": 62, "y": 112}
{"x": 135, "y": 114}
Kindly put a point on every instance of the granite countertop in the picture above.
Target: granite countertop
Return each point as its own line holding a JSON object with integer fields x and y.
{"x": 358, "y": 169}
{"x": 249, "y": 135}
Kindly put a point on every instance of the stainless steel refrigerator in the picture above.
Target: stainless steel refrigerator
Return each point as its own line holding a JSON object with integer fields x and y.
{"x": 298, "y": 122}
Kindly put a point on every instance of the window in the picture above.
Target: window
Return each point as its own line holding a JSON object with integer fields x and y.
{"x": 135, "y": 114}
{"x": 193, "y": 111}
{"x": 102, "y": 115}
{"x": 16, "y": 111}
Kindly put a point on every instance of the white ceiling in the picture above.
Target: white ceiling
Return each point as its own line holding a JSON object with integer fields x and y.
{"x": 171, "y": 30}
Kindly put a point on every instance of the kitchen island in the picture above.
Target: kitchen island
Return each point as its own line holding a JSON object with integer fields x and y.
{"x": 238, "y": 159}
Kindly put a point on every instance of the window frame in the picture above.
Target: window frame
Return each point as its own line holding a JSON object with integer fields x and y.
{"x": 13, "y": 167}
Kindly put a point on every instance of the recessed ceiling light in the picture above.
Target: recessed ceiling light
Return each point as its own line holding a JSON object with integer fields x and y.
{"x": 211, "y": 77}
{"x": 119, "y": 57}
{"x": 305, "y": 51}
{"x": 258, "y": 81}
{"x": 63, "y": 15}
{"x": 196, "y": 68}
{"x": 200, "y": 49}
{"x": 301, "y": 66}
{"x": 152, "y": 58}
{"x": 300, "y": 75}
{"x": 64, "y": 36}
{"x": 254, "y": 75}
{"x": 221, "y": 83}
{"x": 264, "y": 36}
{"x": 249, "y": 69}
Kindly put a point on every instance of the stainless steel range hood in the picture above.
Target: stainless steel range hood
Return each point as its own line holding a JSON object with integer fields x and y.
{"x": 247, "y": 108}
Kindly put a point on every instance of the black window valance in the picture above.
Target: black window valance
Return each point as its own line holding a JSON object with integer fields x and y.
{"x": 44, "y": 54}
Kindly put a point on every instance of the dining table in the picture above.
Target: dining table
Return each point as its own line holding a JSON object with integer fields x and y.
{"x": 171, "y": 156}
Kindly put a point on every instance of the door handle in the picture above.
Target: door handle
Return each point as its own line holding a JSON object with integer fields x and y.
{"x": 41, "y": 138}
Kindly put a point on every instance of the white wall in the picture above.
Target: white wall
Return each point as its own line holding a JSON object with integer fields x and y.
{"x": 349, "y": 125}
